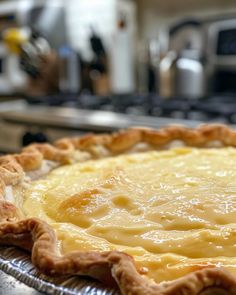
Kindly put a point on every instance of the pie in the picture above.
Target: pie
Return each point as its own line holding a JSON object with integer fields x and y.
{"x": 147, "y": 211}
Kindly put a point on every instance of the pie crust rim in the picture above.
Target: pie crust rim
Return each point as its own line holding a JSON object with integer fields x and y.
{"x": 113, "y": 267}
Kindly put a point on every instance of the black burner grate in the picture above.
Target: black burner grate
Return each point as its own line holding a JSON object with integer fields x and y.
{"x": 221, "y": 109}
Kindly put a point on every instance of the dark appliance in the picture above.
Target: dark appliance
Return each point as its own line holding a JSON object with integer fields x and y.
{"x": 221, "y": 57}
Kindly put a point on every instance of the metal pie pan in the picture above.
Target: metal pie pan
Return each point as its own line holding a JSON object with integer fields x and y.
{"x": 17, "y": 263}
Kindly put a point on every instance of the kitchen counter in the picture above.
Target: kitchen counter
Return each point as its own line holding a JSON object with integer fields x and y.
{"x": 11, "y": 286}
{"x": 81, "y": 120}
{"x": 18, "y": 119}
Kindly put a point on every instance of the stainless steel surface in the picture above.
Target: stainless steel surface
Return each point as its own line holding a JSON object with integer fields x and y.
{"x": 182, "y": 75}
{"x": 84, "y": 120}
{"x": 190, "y": 76}
{"x": 17, "y": 263}
{"x": 19, "y": 104}
{"x": 18, "y": 118}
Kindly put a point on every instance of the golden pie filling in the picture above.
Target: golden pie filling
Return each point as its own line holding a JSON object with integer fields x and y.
{"x": 173, "y": 211}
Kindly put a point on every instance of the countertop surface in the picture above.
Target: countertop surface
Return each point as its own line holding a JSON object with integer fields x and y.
{"x": 11, "y": 286}
{"x": 77, "y": 119}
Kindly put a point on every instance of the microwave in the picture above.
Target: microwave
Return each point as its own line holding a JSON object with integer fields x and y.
{"x": 221, "y": 57}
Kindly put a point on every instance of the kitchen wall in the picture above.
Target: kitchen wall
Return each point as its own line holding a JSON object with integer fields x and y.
{"x": 154, "y": 14}
{"x": 101, "y": 15}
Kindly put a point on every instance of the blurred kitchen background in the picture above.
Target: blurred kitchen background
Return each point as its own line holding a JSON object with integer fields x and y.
{"x": 69, "y": 67}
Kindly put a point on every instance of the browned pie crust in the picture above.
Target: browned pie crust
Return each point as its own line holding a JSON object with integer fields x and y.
{"x": 111, "y": 268}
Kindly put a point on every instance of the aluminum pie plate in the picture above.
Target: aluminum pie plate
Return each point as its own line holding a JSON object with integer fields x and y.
{"x": 16, "y": 263}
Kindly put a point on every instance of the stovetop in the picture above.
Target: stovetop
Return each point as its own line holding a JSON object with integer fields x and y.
{"x": 215, "y": 108}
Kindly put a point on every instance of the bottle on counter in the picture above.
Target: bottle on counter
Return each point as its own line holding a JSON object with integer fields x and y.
{"x": 167, "y": 75}
{"x": 69, "y": 72}
{"x": 122, "y": 60}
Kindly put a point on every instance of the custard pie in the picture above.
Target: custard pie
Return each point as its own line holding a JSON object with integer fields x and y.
{"x": 147, "y": 211}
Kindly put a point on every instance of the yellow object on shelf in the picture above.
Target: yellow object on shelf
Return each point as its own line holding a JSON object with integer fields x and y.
{"x": 14, "y": 38}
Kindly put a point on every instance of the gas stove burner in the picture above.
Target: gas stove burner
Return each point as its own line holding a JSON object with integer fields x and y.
{"x": 51, "y": 100}
{"x": 216, "y": 108}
